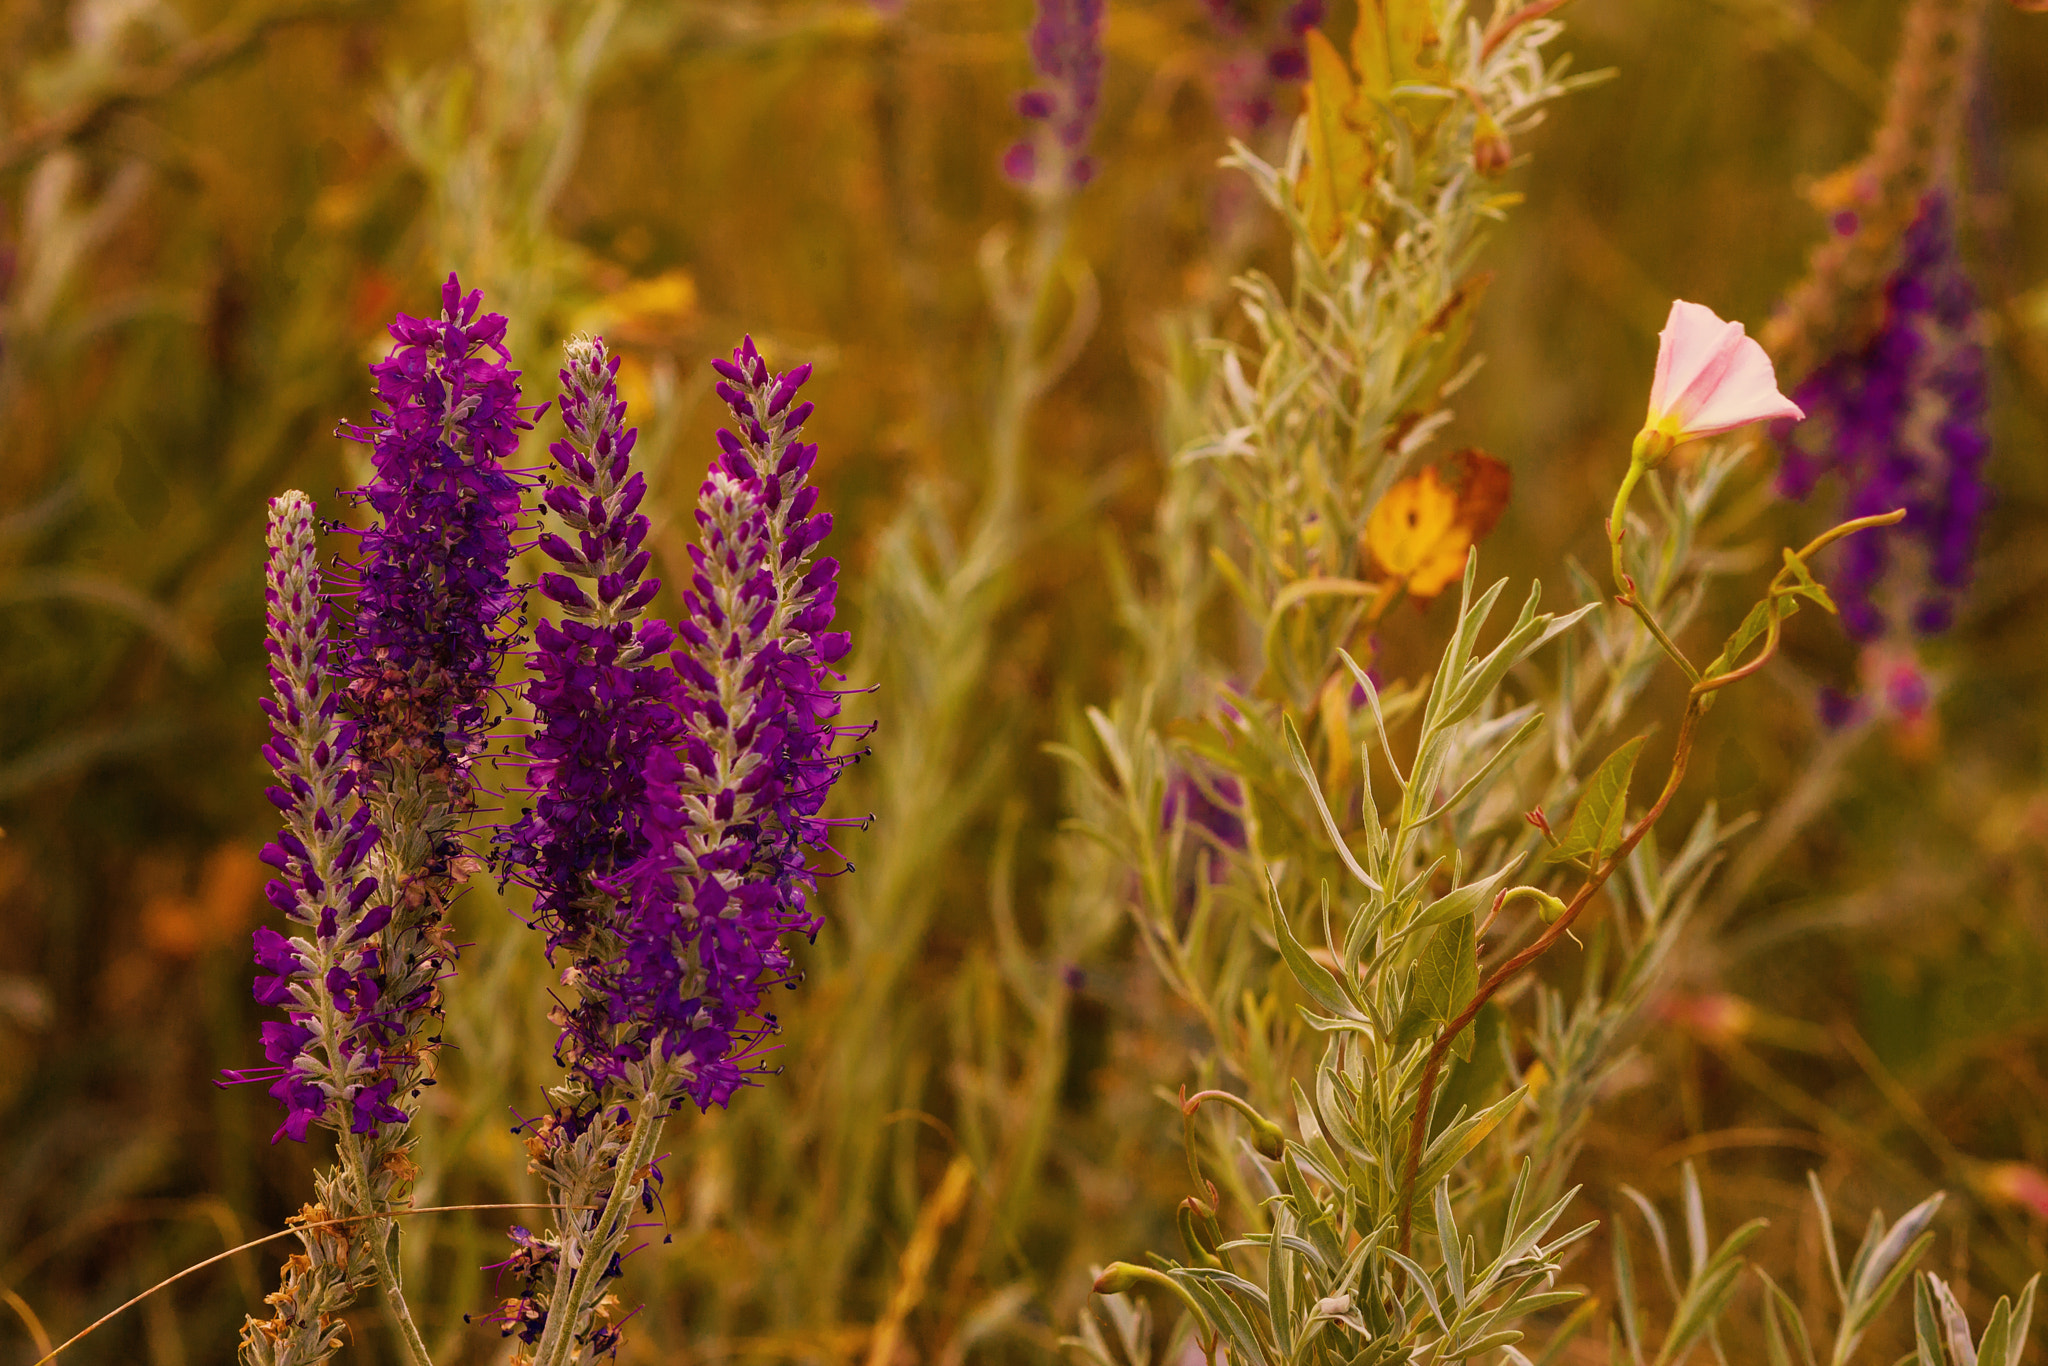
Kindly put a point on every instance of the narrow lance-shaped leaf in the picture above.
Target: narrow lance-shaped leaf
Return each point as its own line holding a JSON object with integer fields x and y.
{"x": 1315, "y": 979}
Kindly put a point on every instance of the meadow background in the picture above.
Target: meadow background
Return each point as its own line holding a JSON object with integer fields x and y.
{"x": 211, "y": 210}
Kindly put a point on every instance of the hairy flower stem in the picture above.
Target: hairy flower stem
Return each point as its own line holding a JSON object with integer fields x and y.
{"x": 578, "y": 1288}
{"x": 378, "y": 1234}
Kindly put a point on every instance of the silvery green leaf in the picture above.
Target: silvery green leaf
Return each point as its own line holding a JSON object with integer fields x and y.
{"x": 1955, "y": 1325}
{"x": 1487, "y": 675}
{"x": 1927, "y": 1333}
{"x": 1695, "y": 1219}
{"x": 1994, "y": 1347}
{"x": 1657, "y": 1234}
{"x": 1827, "y": 1236}
{"x": 1379, "y": 719}
{"x": 1465, "y": 900}
{"x": 1625, "y": 1295}
{"x": 1419, "y": 1278}
{"x": 1449, "y": 1243}
{"x": 1315, "y": 979}
{"x": 1500, "y": 756}
{"x": 1299, "y": 753}
{"x": 1890, "y": 1252}
{"x": 2022, "y": 1320}
{"x": 1782, "y": 1320}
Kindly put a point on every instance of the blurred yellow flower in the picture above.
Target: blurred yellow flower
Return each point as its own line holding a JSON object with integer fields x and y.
{"x": 1421, "y": 530}
{"x": 1414, "y": 535}
{"x": 649, "y": 312}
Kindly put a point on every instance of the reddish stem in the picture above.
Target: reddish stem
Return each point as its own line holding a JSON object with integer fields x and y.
{"x": 1418, "y": 1127}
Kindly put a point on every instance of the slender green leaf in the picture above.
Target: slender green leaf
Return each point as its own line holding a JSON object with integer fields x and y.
{"x": 1315, "y": 790}
{"x": 1449, "y": 1244}
{"x": 1463, "y": 901}
{"x": 1315, "y": 979}
{"x": 1996, "y": 1344}
{"x": 1805, "y": 585}
{"x": 1778, "y": 1303}
{"x": 1926, "y": 1326}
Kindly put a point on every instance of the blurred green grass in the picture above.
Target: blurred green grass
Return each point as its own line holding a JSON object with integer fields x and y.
{"x": 212, "y": 209}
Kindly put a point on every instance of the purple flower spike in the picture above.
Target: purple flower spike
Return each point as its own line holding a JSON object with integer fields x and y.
{"x": 734, "y": 810}
{"x": 432, "y": 623}
{"x": 599, "y": 706}
{"x": 432, "y": 611}
{"x": 329, "y": 1062}
{"x": 1903, "y": 422}
{"x": 1066, "y": 50}
{"x": 1261, "y": 54}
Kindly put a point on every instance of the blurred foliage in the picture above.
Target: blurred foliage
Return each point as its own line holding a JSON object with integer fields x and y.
{"x": 212, "y": 209}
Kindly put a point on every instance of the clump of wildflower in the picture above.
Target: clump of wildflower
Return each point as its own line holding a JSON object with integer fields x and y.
{"x": 734, "y": 810}
{"x": 1902, "y": 422}
{"x": 677, "y": 810}
{"x": 1066, "y": 49}
{"x": 327, "y": 1056}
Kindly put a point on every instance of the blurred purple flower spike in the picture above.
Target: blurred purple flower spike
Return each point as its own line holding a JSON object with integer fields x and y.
{"x": 1902, "y": 421}
{"x": 1066, "y": 51}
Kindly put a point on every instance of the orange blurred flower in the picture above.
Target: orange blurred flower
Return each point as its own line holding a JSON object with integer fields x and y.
{"x": 1420, "y": 531}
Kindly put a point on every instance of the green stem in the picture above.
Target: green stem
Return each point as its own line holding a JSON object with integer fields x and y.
{"x": 1617, "y": 524}
{"x": 577, "y": 1292}
{"x": 1617, "y": 520}
{"x": 379, "y": 1232}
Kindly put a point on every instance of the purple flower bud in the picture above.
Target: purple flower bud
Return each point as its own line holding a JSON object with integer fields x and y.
{"x": 1020, "y": 163}
{"x": 563, "y": 589}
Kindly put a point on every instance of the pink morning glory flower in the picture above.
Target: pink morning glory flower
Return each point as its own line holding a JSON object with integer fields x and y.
{"x": 1711, "y": 378}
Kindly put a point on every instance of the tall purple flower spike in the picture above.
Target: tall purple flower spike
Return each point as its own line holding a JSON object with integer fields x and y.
{"x": 733, "y": 811}
{"x": 1902, "y": 422}
{"x": 433, "y": 619}
{"x": 1066, "y": 50}
{"x": 329, "y": 1062}
{"x": 601, "y": 703}
{"x": 432, "y": 612}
